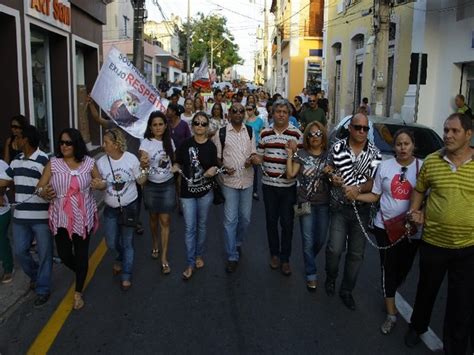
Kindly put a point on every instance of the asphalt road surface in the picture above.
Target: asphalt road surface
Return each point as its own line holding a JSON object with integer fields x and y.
{"x": 255, "y": 310}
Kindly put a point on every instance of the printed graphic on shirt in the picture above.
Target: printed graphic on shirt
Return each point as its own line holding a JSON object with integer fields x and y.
{"x": 119, "y": 181}
{"x": 161, "y": 162}
{"x": 401, "y": 190}
{"x": 198, "y": 182}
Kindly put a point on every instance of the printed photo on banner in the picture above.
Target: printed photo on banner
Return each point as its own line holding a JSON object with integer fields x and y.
{"x": 124, "y": 94}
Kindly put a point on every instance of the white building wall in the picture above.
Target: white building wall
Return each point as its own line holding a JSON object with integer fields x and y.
{"x": 115, "y": 27}
{"x": 448, "y": 43}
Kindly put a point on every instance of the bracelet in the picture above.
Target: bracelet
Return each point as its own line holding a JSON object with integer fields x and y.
{"x": 38, "y": 191}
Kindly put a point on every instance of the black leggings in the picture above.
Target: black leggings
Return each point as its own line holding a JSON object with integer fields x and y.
{"x": 74, "y": 254}
{"x": 395, "y": 262}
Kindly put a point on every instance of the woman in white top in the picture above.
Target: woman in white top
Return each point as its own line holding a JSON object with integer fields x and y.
{"x": 393, "y": 186}
{"x": 120, "y": 171}
{"x": 156, "y": 156}
{"x": 188, "y": 113}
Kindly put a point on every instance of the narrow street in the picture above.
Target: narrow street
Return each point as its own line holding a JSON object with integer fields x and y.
{"x": 255, "y": 310}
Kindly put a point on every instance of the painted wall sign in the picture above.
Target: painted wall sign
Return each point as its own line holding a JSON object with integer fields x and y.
{"x": 54, "y": 12}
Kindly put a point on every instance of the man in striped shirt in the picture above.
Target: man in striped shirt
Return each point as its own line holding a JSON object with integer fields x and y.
{"x": 279, "y": 192}
{"x": 237, "y": 154}
{"x": 30, "y": 219}
{"x": 447, "y": 245}
{"x": 355, "y": 161}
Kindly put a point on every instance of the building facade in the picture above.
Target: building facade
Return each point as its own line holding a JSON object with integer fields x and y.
{"x": 52, "y": 63}
{"x": 164, "y": 32}
{"x": 297, "y": 46}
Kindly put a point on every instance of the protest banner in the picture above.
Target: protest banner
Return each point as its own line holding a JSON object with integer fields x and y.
{"x": 125, "y": 95}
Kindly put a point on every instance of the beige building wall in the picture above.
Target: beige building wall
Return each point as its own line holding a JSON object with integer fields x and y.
{"x": 349, "y": 51}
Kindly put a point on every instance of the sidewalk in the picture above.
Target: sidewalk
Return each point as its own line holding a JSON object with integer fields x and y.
{"x": 15, "y": 292}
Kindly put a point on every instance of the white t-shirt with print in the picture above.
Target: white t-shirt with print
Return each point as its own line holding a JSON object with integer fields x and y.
{"x": 126, "y": 171}
{"x": 395, "y": 194}
{"x": 160, "y": 162}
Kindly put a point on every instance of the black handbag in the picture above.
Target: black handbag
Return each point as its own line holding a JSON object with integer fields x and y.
{"x": 128, "y": 216}
{"x": 218, "y": 195}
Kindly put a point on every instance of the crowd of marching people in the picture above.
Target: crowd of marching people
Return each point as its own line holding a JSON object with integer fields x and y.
{"x": 205, "y": 150}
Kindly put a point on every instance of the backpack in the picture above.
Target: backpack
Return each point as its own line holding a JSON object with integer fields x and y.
{"x": 223, "y": 132}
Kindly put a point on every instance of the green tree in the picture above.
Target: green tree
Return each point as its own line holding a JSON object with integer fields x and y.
{"x": 206, "y": 32}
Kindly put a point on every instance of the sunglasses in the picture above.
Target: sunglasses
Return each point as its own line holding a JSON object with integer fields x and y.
{"x": 403, "y": 174}
{"x": 234, "y": 110}
{"x": 249, "y": 109}
{"x": 199, "y": 123}
{"x": 15, "y": 126}
{"x": 318, "y": 134}
{"x": 311, "y": 100}
{"x": 359, "y": 127}
{"x": 66, "y": 143}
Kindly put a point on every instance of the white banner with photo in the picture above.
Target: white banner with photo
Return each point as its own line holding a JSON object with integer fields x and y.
{"x": 125, "y": 95}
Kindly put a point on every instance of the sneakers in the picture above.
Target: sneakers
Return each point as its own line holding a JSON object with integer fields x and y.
{"x": 275, "y": 262}
{"x": 412, "y": 338}
{"x": 311, "y": 285}
{"x": 7, "y": 278}
{"x": 41, "y": 300}
{"x": 388, "y": 325}
{"x": 330, "y": 287}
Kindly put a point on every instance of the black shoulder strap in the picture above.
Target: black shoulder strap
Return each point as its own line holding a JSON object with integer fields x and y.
{"x": 250, "y": 131}
{"x": 222, "y": 134}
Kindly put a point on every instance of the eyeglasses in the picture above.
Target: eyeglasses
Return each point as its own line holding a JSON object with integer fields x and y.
{"x": 199, "y": 123}
{"x": 318, "y": 134}
{"x": 66, "y": 143}
{"x": 15, "y": 126}
{"x": 403, "y": 174}
{"x": 359, "y": 127}
{"x": 235, "y": 110}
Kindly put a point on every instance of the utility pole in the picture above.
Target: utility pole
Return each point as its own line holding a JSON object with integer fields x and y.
{"x": 138, "y": 24}
{"x": 265, "y": 43}
{"x": 279, "y": 29}
{"x": 380, "y": 58}
{"x": 188, "y": 45}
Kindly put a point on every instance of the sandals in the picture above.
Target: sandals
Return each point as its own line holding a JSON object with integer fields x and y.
{"x": 116, "y": 269}
{"x": 199, "y": 262}
{"x": 187, "y": 273}
{"x": 165, "y": 269}
{"x": 125, "y": 285}
{"x": 155, "y": 253}
{"x": 78, "y": 301}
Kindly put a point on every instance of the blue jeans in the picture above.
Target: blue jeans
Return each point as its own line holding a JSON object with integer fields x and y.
{"x": 40, "y": 273}
{"x": 237, "y": 212}
{"x": 195, "y": 211}
{"x": 314, "y": 230}
{"x": 345, "y": 227}
{"x": 120, "y": 239}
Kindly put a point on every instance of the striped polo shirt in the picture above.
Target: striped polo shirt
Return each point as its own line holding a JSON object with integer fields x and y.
{"x": 272, "y": 146}
{"x": 25, "y": 174}
{"x": 449, "y": 221}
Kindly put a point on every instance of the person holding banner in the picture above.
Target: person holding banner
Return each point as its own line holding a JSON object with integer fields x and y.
{"x": 196, "y": 160}
{"x": 132, "y": 144}
{"x": 121, "y": 171}
{"x": 156, "y": 156}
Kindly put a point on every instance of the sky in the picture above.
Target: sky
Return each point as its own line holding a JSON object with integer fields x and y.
{"x": 243, "y": 17}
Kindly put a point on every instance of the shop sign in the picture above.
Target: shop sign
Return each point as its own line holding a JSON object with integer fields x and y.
{"x": 55, "y": 12}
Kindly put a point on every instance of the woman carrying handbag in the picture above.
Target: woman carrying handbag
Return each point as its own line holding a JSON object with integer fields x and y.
{"x": 393, "y": 186}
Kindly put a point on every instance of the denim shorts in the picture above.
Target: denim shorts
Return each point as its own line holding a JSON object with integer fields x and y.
{"x": 160, "y": 197}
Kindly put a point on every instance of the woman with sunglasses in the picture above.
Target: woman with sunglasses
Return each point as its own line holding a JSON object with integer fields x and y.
{"x": 217, "y": 120}
{"x": 156, "y": 156}
{"x": 393, "y": 186}
{"x": 11, "y": 149}
{"x": 257, "y": 125}
{"x": 196, "y": 160}
{"x": 120, "y": 171}
{"x": 68, "y": 178}
{"x": 309, "y": 167}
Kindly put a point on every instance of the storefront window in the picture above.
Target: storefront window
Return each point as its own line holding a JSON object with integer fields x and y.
{"x": 41, "y": 89}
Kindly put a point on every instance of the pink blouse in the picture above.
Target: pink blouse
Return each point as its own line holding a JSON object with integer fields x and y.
{"x": 74, "y": 207}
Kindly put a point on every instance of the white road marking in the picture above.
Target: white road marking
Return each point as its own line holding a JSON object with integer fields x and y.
{"x": 430, "y": 339}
